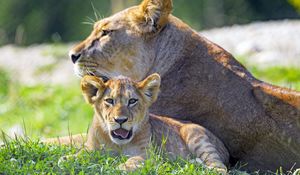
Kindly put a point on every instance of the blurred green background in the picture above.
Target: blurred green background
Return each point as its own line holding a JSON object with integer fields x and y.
{"x": 25, "y": 22}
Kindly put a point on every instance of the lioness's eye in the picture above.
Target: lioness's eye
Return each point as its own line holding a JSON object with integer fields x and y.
{"x": 105, "y": 32}
{"x": 109, "y": 101}
{"x": 132, "y": 101}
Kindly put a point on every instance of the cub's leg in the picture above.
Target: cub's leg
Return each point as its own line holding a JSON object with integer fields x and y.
{"x": 89, "y": 142}
{"x": 132, "y": 163}
{"x": 136, "y": 152}
{"x": 76, "y": 140}
{"x": 206, "y": 146}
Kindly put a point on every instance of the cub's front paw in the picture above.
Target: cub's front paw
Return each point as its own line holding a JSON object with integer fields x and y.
{"x": 129, "y": 167}
{"x": 221, "y": 171}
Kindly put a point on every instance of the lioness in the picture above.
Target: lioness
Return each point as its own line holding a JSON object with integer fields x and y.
{"x": 201, "y": 82}
{"x": 122, "y": 123}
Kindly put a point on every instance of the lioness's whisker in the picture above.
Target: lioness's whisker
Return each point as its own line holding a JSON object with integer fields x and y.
{"x": 88, "y": 23}
{"x": 96, "y": 13}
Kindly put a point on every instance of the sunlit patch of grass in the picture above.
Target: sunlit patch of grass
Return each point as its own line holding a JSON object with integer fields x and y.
{"x": 284, "y": 76}
{"x": 278, "y": 75}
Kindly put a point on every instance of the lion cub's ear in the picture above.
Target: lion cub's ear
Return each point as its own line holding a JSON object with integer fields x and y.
{"x": 150, "y": 87}
{"x": 92, "y": 87}
{"x": 153, "y": 15}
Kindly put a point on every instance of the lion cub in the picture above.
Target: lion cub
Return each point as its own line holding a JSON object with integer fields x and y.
{"x": 122, "y": 123}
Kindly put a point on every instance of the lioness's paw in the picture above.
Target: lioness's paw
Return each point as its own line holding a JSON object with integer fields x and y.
{"x": 128, "y": 167}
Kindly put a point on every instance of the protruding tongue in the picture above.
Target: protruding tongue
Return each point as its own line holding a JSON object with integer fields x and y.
{"x": 121, "y": 132}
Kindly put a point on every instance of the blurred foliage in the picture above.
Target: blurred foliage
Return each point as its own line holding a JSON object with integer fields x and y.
{"x": 35, "y": 21}
{"x": 4, "y": 88}
{"x": 45, "y": 109}
{"x": 296, "y": 4}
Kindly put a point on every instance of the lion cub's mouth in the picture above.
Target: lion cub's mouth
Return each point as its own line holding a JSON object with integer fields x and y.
{"x": 121, "y": 134}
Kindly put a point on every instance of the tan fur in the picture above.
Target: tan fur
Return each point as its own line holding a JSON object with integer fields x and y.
{"x": 194, "y": 139}
{"x": 77, "y": 140}
{"x": 259, "y": 123}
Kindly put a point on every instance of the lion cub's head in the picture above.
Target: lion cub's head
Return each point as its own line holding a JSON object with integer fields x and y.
{"x": 121, "y": 105}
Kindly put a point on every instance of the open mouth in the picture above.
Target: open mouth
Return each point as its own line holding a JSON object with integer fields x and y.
{"x": 121, "y": 134}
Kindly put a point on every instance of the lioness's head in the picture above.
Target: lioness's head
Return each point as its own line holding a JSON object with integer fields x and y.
{"x": 123, "y": 43}
{"x": 121, "y": 105}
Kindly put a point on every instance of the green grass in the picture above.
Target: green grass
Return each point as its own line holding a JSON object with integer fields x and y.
{"x": 30, "y": 157}
{"x": 282, "y": 76}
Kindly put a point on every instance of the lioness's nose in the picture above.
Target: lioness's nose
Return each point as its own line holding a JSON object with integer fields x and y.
{"x": 121, "y": 120}
{"x": 74, "y": 56}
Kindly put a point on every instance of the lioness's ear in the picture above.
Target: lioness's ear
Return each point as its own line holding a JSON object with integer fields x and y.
{"x": 150, "y": 87}
{"x": 92, "y": 87}
{"x": 153, "y": 15}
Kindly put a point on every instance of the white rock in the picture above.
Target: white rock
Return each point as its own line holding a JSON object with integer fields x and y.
{"x": 273, "y": 43}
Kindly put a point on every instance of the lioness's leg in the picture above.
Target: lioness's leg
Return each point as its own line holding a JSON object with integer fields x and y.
{"x": 205, "y": 146}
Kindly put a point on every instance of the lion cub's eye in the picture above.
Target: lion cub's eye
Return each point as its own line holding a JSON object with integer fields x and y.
{"x": 109, "y": 101}
{"x": 132, "y": 101}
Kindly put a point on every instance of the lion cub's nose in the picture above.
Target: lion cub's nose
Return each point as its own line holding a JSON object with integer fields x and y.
{"x": 74, "y": 57}
{"x": 121, "y": 120}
